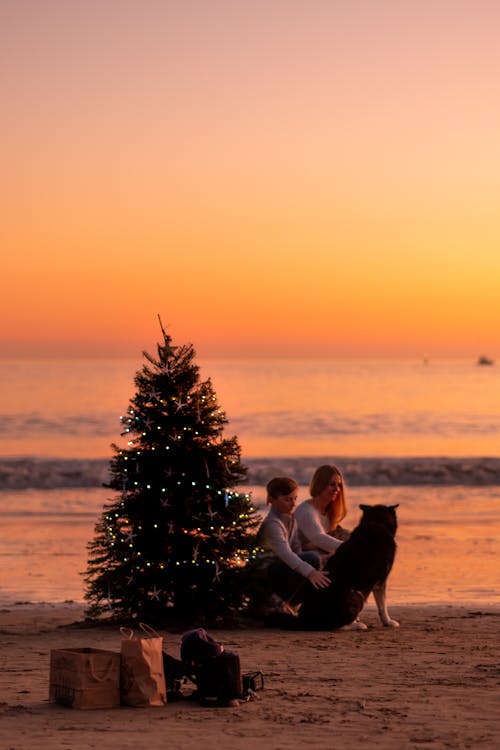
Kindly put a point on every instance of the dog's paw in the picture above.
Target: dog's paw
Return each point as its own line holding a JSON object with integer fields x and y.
{"x": 391, "y": 623}
{"x": 356, "y": 625}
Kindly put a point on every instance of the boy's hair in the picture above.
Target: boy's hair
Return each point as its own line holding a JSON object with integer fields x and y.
{"x": 280, "y": 486}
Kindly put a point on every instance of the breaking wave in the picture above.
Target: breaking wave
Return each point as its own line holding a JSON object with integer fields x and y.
{"x": 42, "y": 473}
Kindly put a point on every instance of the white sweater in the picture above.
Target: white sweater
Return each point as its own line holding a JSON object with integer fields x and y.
{"x": 313, "y": 529}
{"x": 278, "y": 535}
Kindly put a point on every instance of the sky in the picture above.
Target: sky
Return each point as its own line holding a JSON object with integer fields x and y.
{"x": 272, "y": 178}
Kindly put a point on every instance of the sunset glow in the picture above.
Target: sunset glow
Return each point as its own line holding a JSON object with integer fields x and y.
{"x": 288, "y": 178}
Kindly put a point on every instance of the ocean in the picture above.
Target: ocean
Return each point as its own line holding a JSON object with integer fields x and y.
{"x": 424, "y": 434}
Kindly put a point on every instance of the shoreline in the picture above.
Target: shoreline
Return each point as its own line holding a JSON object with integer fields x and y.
{"x": 432, "y": 683}
{"x": 42, "y": 616}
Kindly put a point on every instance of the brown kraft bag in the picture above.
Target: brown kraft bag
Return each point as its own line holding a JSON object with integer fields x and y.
{"x": 142, "y": 679}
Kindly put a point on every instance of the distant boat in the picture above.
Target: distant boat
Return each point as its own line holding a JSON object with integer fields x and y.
{"x": 482, "y": 360}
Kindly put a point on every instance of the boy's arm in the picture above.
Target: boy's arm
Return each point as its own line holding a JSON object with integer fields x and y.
{"x": 277, "y": 540}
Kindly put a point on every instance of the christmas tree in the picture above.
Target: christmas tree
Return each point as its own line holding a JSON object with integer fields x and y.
{"x": 174, "y": 541}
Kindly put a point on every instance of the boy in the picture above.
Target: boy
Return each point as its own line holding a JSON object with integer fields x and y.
{"x": 289, "y": 568}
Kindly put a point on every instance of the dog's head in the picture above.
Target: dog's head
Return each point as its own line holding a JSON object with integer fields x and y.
{"x": 385, "y": 515}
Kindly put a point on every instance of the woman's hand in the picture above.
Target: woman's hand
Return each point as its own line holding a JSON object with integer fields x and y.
{"x": 319, "y": 579}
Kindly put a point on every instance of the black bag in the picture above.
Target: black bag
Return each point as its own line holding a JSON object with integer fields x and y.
{"x": 216, "y": 672}
{"x": 219, "y": 680}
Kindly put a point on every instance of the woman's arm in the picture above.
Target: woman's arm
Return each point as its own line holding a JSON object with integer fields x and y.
{"x": 310, "y": 527}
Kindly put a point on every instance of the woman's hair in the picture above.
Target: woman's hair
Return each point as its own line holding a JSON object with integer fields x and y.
{"x": 320, "y": 480}
{"x": 280, "y": 486}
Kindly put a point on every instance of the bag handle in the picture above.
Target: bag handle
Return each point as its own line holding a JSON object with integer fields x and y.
{"x": 127, "y": 633}
{"x": 150, "y": 632}
{"x": 107, "y": 672}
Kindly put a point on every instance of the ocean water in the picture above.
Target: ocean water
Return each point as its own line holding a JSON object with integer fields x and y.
{"x": 284, "y": 407}
{"x": 426, "y": 436}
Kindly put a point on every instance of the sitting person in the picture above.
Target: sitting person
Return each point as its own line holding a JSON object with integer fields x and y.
{"x": 318, "y": 518}
{"x": 288, "y": 567}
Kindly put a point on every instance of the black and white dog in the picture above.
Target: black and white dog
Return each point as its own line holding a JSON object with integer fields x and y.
{"x": 360, "y": 566}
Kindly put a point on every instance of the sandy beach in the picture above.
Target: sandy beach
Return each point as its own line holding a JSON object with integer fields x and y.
{"x": 432, "y": 683}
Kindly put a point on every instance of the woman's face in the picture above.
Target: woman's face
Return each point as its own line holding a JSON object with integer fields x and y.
{"x": 331, "y": 493}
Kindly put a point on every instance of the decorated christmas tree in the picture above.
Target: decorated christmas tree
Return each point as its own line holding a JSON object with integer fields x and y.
{"x": 174, "y": 541}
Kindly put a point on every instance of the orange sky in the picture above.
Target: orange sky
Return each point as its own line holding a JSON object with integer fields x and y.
{"x": 272, "y": 177}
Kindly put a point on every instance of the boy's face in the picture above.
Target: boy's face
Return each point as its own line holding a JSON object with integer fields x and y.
{"x": 285, "y": 503}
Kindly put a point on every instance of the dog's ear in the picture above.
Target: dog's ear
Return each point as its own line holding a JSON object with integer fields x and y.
{"x": 364, "y": 507}
{"x": 393, "y": 507}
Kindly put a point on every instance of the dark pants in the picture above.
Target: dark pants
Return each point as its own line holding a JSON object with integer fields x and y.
{"x": 287, "y": 583}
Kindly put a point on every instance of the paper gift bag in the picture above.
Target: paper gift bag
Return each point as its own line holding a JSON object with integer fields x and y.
{"x": 85, "y": 678}
{"x": 142, "y": 681}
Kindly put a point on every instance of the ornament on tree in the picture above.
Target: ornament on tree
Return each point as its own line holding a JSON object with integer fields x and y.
{"x": 154, "y": 593}
{"x": 173, "y": 542}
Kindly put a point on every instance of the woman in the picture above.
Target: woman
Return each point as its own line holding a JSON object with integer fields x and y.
{"x": 319, "y": 517}
{"x": 288, "y": 568}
